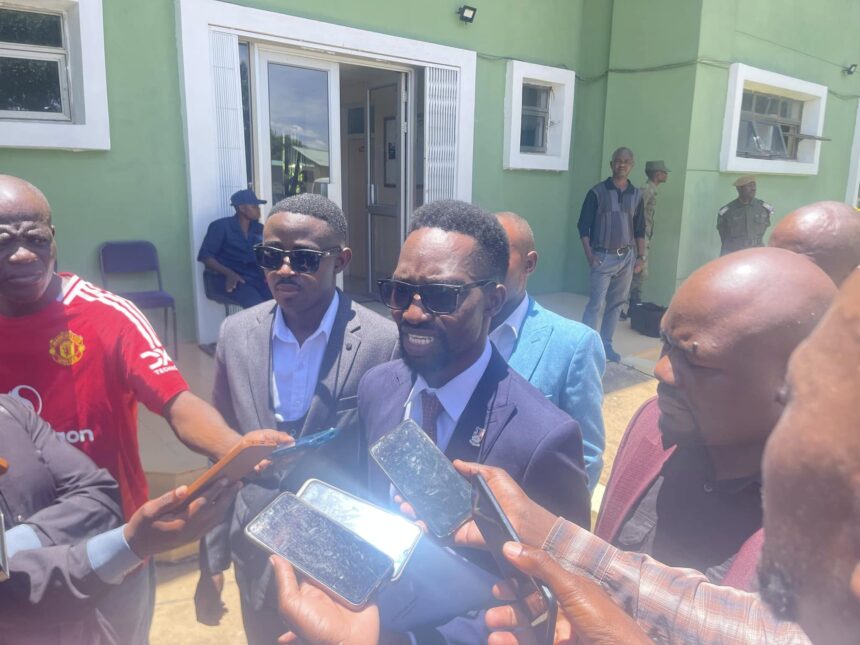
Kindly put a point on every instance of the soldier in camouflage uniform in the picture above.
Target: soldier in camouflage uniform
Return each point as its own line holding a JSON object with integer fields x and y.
{"x": 657, "y": 173}
{"x": 743, "y": 222}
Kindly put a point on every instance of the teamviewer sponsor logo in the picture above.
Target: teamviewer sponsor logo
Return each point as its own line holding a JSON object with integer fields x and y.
{"x": 161, "y": 362}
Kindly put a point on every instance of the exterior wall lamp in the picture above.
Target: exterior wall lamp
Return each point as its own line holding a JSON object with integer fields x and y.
{"x": 467, "y": 13}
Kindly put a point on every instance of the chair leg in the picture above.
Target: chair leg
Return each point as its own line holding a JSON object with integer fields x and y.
{"x": 175, "y": 336}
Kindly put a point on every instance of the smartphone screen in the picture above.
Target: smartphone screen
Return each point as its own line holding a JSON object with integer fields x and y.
{"x": 389, "y": 532}
{"x": 496, "y": 529}
{"x": 320, "y": 548}
{"x": 288, "y": 454}
{"x": 425, "y": 477}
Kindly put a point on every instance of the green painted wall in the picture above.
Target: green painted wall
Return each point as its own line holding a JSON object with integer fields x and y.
{"x": 649, "y": 100}
{"x": 138, "y": 188}
{"x": 810, "y": 41}
{"x": 638, "y": 85}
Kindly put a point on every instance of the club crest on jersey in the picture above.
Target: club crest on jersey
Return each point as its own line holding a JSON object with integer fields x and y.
{"x": 66, "y": 348}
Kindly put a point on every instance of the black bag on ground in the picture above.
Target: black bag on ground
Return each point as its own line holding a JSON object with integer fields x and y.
{"x": 645, "y": 318}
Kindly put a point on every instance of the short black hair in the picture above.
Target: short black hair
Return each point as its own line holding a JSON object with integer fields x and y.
{"x": 455, "y": 216}
{"x": 317, "y": 206}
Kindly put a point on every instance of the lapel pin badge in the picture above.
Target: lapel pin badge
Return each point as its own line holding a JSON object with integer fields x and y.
{"x": 477, "y": 437}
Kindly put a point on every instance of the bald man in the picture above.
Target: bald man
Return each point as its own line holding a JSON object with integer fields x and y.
{"x": 562, "y": 358}
{"x": 687, "y": 489}
{"x": 828, "y": 233}
{"x": 84, "y": 357}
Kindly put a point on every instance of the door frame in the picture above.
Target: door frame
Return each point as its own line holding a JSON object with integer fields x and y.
{"x": 195, "y": 20}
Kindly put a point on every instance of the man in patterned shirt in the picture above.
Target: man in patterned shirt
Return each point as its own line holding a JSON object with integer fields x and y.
{"x": 810, "y": 570}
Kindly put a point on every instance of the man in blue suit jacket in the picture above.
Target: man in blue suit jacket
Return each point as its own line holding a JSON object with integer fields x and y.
{"x": 446, "y": 288}
{"x": 562, "y": 358}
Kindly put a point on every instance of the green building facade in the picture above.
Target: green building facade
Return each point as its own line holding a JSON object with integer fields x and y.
{"x": 659, "y": 77}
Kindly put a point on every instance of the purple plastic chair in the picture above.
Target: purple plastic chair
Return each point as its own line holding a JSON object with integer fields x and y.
{"x": 138, "y": 256}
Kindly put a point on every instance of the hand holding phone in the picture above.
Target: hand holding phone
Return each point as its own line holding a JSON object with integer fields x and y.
{"x": 424, "y": 476}
{"x": 536, "y": 599}
{"x": 320, "y": 548}
{"x": 239, "y": 462}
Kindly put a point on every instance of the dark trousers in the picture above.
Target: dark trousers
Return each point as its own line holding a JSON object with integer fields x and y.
{"x": 247, "y": 294}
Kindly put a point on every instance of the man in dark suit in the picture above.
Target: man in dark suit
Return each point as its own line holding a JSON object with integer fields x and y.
{"x": 293, "y": 364}
{"x": 446, "y": 288}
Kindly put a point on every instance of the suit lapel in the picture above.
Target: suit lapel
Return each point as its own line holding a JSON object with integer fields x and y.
{"x": 259, "y": 347}
{"x": 486, "y": 415}
{"x": 337, "y": 362}
{"x": 531, "y": 343}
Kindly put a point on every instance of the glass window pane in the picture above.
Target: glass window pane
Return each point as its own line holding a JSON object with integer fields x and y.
{"x": 298, "y": 130}
{"x": 30, "y": 28}
{"x": 747, "y": 101}
{"x": 532, "y": 132}
{"x": 761, "y": 104}
{"x": 535, "y": 96}
{"x": 28, "y": 85}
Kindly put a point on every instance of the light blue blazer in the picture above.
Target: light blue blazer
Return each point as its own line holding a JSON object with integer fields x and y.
{"x": 564, "y": 359}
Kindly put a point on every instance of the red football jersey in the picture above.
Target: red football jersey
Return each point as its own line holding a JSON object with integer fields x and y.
{"x": 84, "y": 362}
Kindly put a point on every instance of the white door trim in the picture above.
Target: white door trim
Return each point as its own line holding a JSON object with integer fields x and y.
{"x": 854, "y": 164}
{"x": 195, "y": 18}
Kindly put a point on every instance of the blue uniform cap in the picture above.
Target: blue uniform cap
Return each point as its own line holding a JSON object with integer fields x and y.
{"x": 246, "y": 196}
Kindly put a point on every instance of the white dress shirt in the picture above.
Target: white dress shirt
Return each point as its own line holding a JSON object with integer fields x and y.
{"x": 454, "y": 396}
{"x": 505, "y": 336}
{"x": 296, "y": 368}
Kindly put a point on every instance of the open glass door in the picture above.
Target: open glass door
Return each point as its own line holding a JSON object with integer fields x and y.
{"x": 298, "y": 126}
{"x": 385, "y": 144}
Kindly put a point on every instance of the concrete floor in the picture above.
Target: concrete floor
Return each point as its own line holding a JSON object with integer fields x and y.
{"x": 168, "y": 463}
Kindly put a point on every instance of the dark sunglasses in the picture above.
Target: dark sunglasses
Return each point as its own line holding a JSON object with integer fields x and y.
{"x": 301, "y": 260}
{"x": 435, "y": 298}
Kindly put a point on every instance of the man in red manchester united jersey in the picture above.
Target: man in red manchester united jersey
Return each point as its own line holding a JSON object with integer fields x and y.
{"x": 84, "y": 357}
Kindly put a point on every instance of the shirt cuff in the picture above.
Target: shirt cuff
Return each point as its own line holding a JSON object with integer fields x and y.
{"x": 21, "y": 538}
{"x": 110, "y": 555}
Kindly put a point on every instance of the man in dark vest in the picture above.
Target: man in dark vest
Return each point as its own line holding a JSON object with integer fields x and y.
{"x": 612, "y": 230}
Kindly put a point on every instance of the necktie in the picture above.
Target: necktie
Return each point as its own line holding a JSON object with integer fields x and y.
{"x": 431, "y": 408}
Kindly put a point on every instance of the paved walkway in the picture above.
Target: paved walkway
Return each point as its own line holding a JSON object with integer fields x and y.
{"x": 169, "y": 463}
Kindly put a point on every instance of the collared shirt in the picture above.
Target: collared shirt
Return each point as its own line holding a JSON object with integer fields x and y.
{"x": 672, "y": 605}
{"x": 226, "y": 242}
{"x": 296, "y": 368}
{"x": 687, "y": 519}
{"x": 453, "y": 395}
{"x": 505, "y": 336}
{"x": 588, "y": 214}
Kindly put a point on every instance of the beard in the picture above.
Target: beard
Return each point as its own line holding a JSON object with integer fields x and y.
{"x": 429, "y": 363}
{"x": 777, "y": 588}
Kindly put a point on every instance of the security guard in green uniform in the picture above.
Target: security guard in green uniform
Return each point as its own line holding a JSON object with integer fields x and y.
{"x": 743, "y": 222}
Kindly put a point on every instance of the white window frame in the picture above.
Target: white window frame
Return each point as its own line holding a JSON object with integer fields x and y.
{"x": 561, "y": 83}
{"x": 87, "y": 126}
{"x": 58, "y": 55}
{"x": 814, "y": 97}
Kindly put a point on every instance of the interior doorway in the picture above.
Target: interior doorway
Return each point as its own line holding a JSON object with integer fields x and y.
{"x": 374, "y": 153}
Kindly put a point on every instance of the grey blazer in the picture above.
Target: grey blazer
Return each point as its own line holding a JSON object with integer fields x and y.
{"x": 360, "y": 339}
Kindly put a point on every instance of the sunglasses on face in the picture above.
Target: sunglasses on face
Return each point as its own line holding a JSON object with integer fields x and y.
{"x": 435, "y": 298}
{"x": 272, "y": 258}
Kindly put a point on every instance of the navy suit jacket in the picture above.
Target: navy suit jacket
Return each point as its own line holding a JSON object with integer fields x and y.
{"x": 536, "y": 443}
